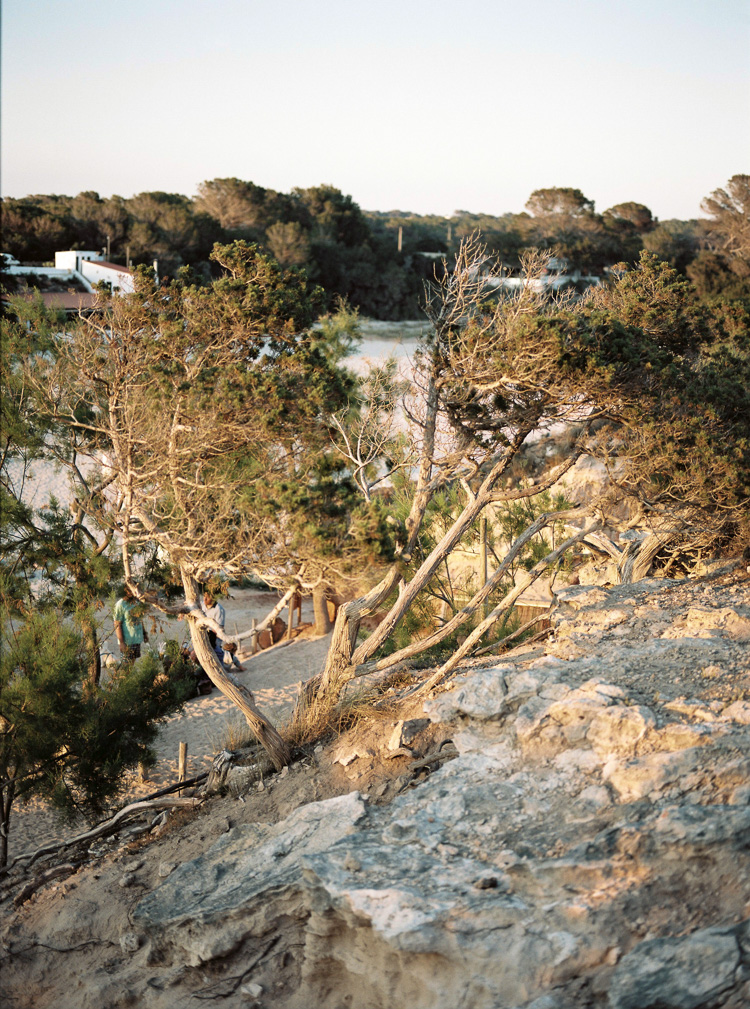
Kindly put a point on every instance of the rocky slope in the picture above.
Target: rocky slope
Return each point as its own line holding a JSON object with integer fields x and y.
{"x": 566, "y": 827}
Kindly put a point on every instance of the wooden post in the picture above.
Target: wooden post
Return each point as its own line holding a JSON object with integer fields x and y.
{"x": 182, "y": 763}
{"x": 291, "y": 616}
{"x": 255, "y": 635}
{"x": 483, "y": 559}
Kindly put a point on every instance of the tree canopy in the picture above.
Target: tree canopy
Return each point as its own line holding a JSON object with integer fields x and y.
{"x": 179, "y": 410}
{"x": 644, "y": 378}
{"x": 214, "y": 423}
{"x": 376, "y": 260}
{"x": 61, "y": 737}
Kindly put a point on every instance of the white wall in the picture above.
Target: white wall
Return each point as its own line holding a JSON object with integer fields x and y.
{"x": 44, "y": 271}
{"x": 95, "y": 273}
{"x": 71, "y": 259}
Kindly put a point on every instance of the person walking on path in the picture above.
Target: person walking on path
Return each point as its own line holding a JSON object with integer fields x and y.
{"x": 226, "y": 652}
{"x": 213, "y": 609}
{"x": 129, "y": 628}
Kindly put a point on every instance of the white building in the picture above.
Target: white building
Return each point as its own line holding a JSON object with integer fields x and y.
{"x": 70, "y": 284}
{"x": 94, "y": 269}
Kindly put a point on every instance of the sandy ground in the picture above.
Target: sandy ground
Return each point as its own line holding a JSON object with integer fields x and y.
{"x": 273, "y": 676}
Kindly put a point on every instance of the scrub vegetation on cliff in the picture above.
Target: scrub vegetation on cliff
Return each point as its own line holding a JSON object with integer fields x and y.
{"x": 215, "y": 425}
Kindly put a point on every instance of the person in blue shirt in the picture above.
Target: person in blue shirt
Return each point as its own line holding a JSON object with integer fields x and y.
{"x": 129, "y": 626}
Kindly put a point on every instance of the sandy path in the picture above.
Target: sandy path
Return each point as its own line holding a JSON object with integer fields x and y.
{"x": 273, "y": 676}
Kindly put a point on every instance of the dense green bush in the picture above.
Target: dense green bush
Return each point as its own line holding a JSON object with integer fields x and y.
{"x": 64, "y": 738}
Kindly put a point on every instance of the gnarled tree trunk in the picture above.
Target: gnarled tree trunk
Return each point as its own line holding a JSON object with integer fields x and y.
{"x": 259, "y": 725}
{"x": 6, "y": 803}
{"x": 320, "y": 607}
{"x": 338, "y": 670}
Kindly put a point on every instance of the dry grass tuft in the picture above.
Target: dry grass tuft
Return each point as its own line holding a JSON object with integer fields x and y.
{"x": 401, "y": 678}
{"x": 234, "y": 735}
{"x": 319, "y": 719}
{"x": 311, "y": 722}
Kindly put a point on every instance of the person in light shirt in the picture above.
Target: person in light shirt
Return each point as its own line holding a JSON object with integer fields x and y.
{"x": 225, "y": 653}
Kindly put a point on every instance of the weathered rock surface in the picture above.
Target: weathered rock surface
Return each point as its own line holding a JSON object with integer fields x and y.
{"x": 209, "y": 905}
{"x": 686, "y": 972}
{"x": 589, "y": 846}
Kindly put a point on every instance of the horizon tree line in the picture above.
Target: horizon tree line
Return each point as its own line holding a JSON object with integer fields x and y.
{"x": 355, "y": 254}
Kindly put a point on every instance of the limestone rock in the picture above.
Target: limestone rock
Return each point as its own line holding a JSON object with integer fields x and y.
{"x": 654, "y": 773}
{"x": 480, "y": 694}
{"x": 619, "y": 729}
{"x": 129, "y": 942}
{"x": 688, "y": 972}
{"x": 406, "y": 732}
{"x": 737, "y": 712}
{"x": 576, "y": 597}
{"x": 586, "y": 846}
{"x": 347, "y": 755}
{"x": 251, "y": 990}
{"x": 133, "y": 865}
{"x": 206, "y": 907}
{"x": 706, "y": 623}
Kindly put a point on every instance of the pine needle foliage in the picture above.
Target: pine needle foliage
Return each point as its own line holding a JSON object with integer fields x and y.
{"x": 64, "y": 739}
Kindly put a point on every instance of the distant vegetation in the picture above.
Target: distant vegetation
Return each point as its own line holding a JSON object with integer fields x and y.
{"x": 355, "y": 254}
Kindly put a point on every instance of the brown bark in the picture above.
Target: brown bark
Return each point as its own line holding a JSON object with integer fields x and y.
{"x": 637, "y": 558}
{"x": 7, "y": 796}
{"x": 323, "y": 624}
{"x": 524, "y": 581}
{"x": 349, "y": 616}
{"x": 474, "y": 604}
{"x": 345, "y": 630}
{"x": 431, "y": 563}
{"x": 259, "y": 725}
{"x": 92, "y": 644}
{"x": 267, "y": 621}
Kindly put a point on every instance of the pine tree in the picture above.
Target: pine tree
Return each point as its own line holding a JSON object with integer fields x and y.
{"x": 61, "y": 736}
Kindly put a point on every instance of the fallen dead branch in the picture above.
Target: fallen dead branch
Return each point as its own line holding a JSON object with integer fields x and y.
{"x": 176, "y": 787}
{"x": 447, "y": 753}
{"x": 54, "y": 873}
{"x": 107, "y": 827}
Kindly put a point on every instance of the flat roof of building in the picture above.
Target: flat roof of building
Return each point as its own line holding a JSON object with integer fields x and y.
{"x": 68, "y": 301}
{"x": 109, "y": 266}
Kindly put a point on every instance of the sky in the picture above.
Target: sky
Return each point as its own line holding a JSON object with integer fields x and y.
{"x": 428, "y": 106}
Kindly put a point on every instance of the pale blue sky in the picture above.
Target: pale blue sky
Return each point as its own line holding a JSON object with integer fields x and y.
{"x": 422, "y": 105}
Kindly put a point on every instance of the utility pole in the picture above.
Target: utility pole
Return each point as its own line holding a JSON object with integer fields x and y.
{"x": 400, "y": 237}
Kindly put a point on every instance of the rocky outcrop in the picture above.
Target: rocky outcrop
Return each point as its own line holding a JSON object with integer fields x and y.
{"x": 587, "y": 844}
{"x": 208, "y": 906}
